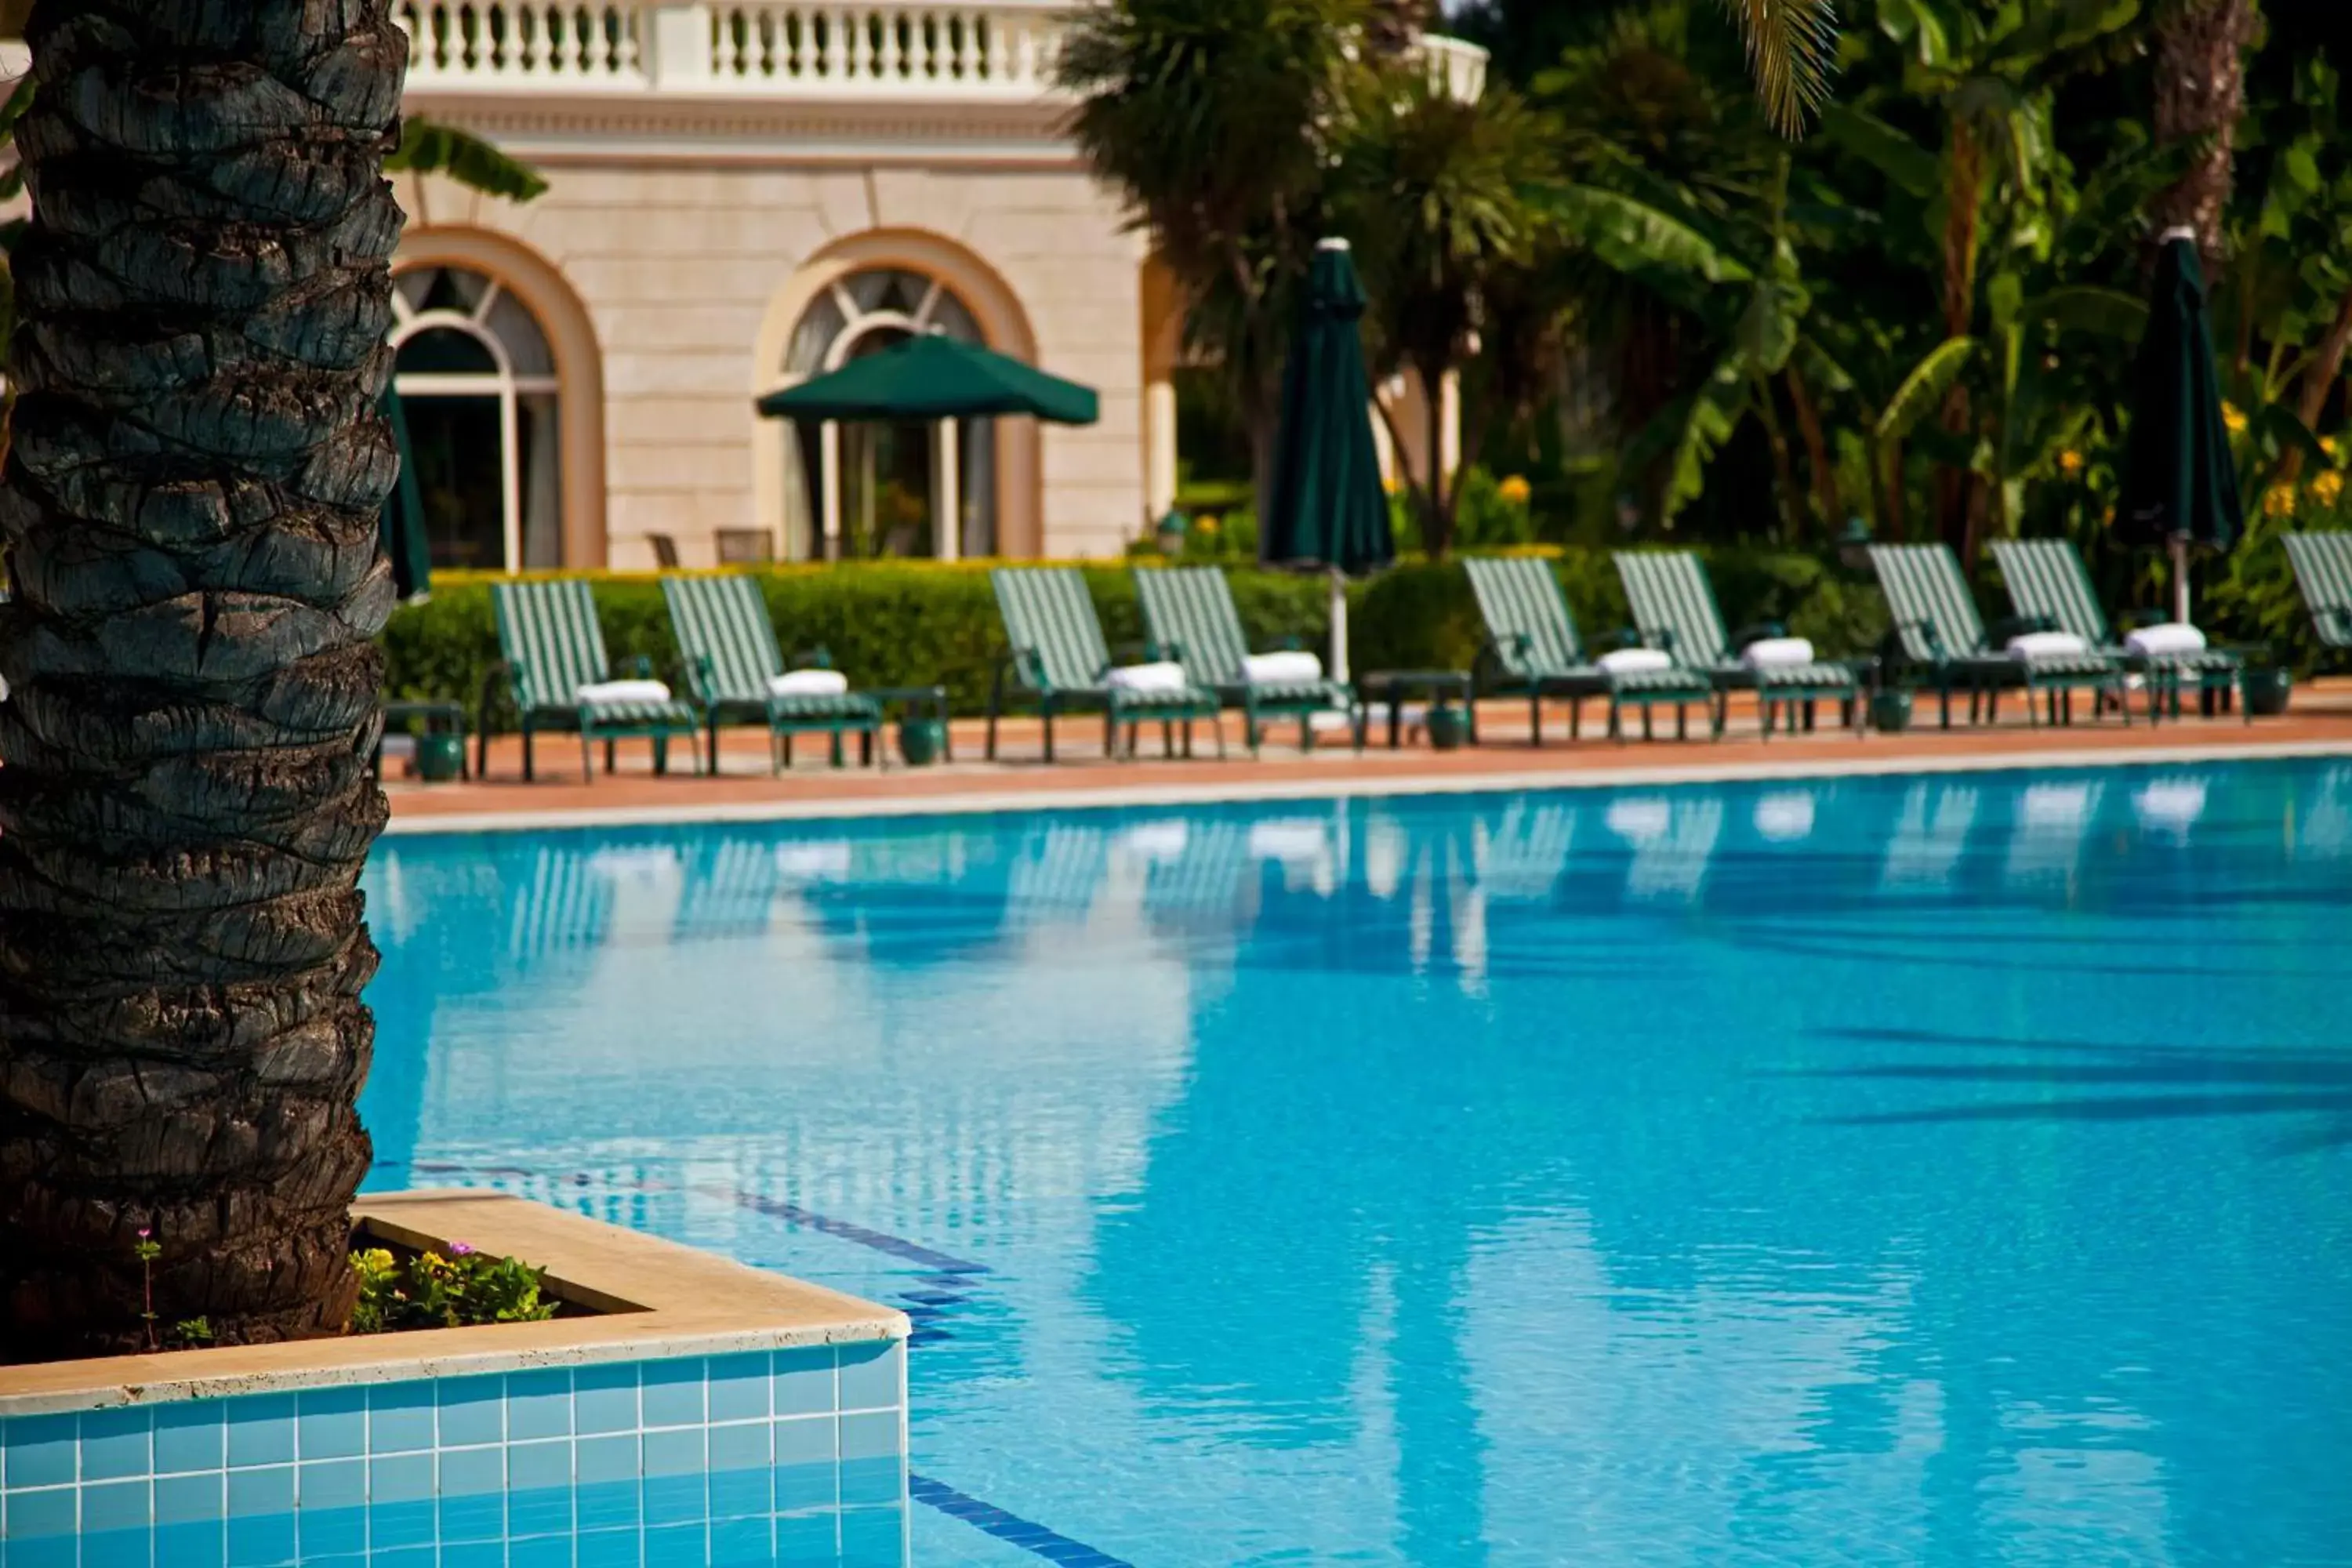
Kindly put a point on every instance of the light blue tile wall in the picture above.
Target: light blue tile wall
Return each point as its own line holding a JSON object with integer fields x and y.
{"x": 565, "y": 1465}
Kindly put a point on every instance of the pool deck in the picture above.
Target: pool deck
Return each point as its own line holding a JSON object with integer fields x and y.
{"x": 2320, "y": 724}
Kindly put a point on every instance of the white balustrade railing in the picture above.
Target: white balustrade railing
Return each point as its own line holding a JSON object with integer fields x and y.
{"x": 859, "y": 49}
{"x": 524, "y": 44}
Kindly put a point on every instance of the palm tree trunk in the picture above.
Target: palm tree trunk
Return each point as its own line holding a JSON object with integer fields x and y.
{"x": 2200, "y": 91}
{"x": 1963, "y": 196}
{"x": 1817, "y": 449}
{"x": 190, "y": 503}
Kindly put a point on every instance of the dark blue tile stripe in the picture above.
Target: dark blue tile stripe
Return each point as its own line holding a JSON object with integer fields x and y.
{"x": 896, "y": 1247}
{"x": 1011, "y": 1529}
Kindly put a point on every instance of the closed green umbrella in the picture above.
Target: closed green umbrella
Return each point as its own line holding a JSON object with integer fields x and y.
{"x": 401, "y": 525}
{"x": 1327, "y": 509}
{"x": 2180, "y": 485}
{"x": 934, "y": 377}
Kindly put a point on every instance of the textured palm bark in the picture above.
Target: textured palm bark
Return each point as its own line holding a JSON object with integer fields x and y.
{"x": 2200, "y": 91}
{"x": 191, "y": 502}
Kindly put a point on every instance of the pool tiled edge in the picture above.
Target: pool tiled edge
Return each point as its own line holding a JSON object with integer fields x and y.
{"x": 730, "y": 1412}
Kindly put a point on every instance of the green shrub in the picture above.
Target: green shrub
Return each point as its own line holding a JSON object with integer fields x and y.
{"x": 915, "y": 622}
{"x": 2251, "y": 599}
{"x": 426, "y": 1290}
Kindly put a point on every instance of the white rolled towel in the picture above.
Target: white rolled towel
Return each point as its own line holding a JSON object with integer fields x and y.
{"x": 608, "y": 693}
{"x": 1635, "y": 660}
{"x": 1298, "y": 667}
{"x": 1766, "y": 653}
{"x": 1165, "y": 675}
{"x": 808, "y": 683}
{"x": 2171, "y": 638}
{"x": 2046, "y": 645}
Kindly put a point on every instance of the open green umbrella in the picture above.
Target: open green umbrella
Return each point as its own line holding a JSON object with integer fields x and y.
{"x": 934, "y": 377}
{"x": 401, "y": 526}
{"x": 2181, "y": 487}
{"x": 1327, "y": 509}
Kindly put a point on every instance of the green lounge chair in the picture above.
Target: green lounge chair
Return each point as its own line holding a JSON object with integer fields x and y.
{"x": 1056, "y": 658}
{"x": 1189, "y": 614}
{"x": 1674, "y": 610}
{"x": 1943, "y": 642}
{"x": 2323, "y": 569}
{"x": 731, "y": 654}
{"x": 2047, "y": 584}
{"x": 1531, "y": 649}
{"x": 549, "y": 646}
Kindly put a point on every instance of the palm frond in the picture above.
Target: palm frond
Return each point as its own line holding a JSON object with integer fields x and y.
{"x": 1791, "y": 53}
{"x": 428, "y": 147}
{"x": 1923, "y": 388}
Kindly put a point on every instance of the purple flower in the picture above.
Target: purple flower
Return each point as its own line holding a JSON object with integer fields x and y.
{"x": 143, "y": 1233}
{"x": 461, "y": 1249}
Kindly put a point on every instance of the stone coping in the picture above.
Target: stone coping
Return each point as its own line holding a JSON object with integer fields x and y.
{"x": 653, "y": 1300}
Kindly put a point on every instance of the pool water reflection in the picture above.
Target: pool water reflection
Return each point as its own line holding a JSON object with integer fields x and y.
{"x": 1910, "y": 1170}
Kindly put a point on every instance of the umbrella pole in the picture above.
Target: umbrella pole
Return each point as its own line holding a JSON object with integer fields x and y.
{"x": 2180, "y": 578}
{"x": 1338, "y": 625}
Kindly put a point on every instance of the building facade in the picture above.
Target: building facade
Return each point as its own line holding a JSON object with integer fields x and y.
{"x": 742, "y": 194}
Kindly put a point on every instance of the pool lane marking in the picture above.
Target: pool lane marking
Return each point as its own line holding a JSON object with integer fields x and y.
{"x": 949, "y": 1279}
{"x": 1010, "y": 1527}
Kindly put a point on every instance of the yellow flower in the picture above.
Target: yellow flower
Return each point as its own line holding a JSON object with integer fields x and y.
{"x": 1391, "y": 483}
{"x": 2231, "y": 418}
{"x": 2279, "y": 501}
{"x": 2070, "y": 463}
{"x": 1206, "y": 525}
{"x": 2327, "y": 488}
{"x": 2333, "y": 447}
{"x": 1515, "y": 491}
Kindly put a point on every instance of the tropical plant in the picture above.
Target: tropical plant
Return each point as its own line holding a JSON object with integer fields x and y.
{"x": 1435, "y": 192}
{"x": 428, "y": 1291}
{"x": 1212, "y": 117}
{"x": 430, "y": 147}
{"x": 190, "y": 503}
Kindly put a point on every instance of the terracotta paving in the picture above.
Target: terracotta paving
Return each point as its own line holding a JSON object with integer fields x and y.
{"x": 2321, "y": 721}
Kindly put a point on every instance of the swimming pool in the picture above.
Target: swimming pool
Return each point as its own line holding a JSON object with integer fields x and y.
{"x": 1907, "y": 1170}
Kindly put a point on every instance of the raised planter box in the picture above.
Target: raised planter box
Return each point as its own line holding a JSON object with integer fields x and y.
{"x": 704, "y": 1410}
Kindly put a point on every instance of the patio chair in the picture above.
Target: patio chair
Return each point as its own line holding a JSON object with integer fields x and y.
{"x": 1943, "y": 642}
{"x": 2323, "y": 569}
{"x": 734, "y": 665}
{"x": 1057, "y": 658}
{"x": 1531, "y": 649}
{"x": 551, "y": 659}
{"x": 1674, "y": 610}
{"x": 2047, "y": 584}
{"x": 1189, "y": 615}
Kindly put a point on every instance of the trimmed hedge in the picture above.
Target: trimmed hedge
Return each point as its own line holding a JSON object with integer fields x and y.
{"x": 909, "y": 623}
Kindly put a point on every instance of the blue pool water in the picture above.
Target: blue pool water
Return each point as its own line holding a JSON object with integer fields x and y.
{"x": 1945, "y": 1171}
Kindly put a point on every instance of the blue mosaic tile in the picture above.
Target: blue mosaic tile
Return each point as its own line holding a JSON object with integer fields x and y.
{"x": 118, "y": 1443}
{"x": 871, "y": 1437}
{"x": 743, "y": 1494}
{"x": 326, "y": 1531}
{"x": 203, "y": 1545}
{"x": 400, "y": 1477}
{"x": 472, "y": 1472}
{"x": 266, "y": 1491}
{"x": 540, "y": 1513}
{"x": 800, "y": 1488}
{"x": 739, "y": 1387}
{"x": 260, "y": 1542}
{"x": 473, "y": 1410}
{"x": 607, "y": 1505}
{"x": 810, "y": 1538}
{"x": 391, "y": 1524}
{"x": 545, "y": 1552}
{"x": 47, "y": 1551}
{"x": 605, "y": 1398}
{"x": 538, "y": 1404}
{"x": 473, "y": 1554}
{"x": 331, "y": 1424}
{"x": 480, "y": 1516}
{"x": 608, "y": 1549}
{"x": 599, "y": 1460}
{"x": 671, "y": 1394}
{"x": 803, "y": 1382}
{"x": 190, "y": 1435}
{"x": 535, "y": 1466}
{"x": 117, "y": 1505}
{"x": 677, "y": 1453}
{"x": 810, "y": 1440}
{"x": 261, "y": 1430}
{"x": 119, "y": 1548}
{"x": 400, "y": 1419}
{"x": 873, "y": 1376}
{"x": 42, "y": 1449}
{"x": 402, "y": 1557}
{"x": 746, "y": 1447}
{"x": 677, "y": 1543}
{"x": 873, "y": 1538}
{"x": 337, "y": 1483}
{"x": 184, "y": 1500}
{"x": 742, "y": 1543}
{"x": 42, "y": 1513}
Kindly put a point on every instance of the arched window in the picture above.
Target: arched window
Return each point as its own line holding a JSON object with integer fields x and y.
{"x": 477, "y": 384}
{"x": 886, "y": 478}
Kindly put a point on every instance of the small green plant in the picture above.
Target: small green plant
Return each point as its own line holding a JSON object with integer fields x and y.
{"x": 147, "y": 1249}
{"x": 190, "y": 1333}
{"x": 427, "y": 1290}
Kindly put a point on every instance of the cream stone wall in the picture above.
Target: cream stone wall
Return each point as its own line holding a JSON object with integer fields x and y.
{"x": 675, "y": 268}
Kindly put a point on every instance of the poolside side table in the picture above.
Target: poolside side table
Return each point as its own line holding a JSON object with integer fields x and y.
{"x": 1394, "y": 686}
{"x": 925, "y": 700}
{"x": 434, "y": 715}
